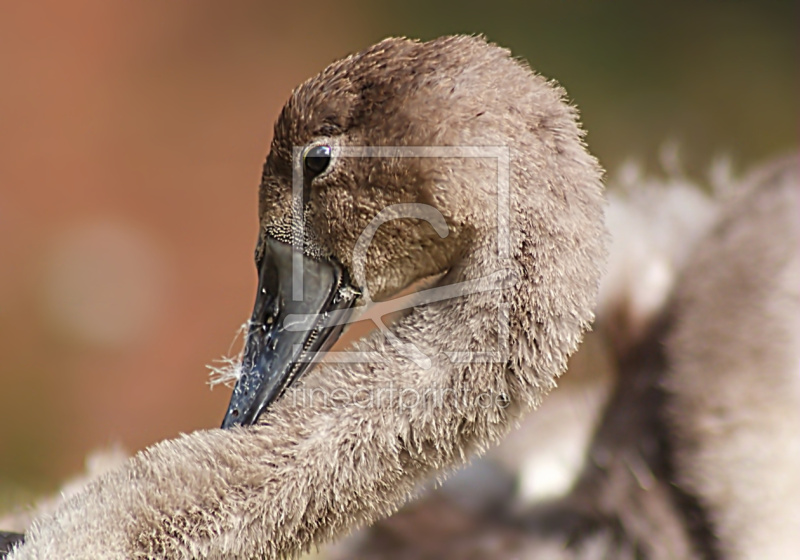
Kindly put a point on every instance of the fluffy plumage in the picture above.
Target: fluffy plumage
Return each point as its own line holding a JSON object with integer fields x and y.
{"x": 312, "y": 470}
{"x": 735, "y": 376}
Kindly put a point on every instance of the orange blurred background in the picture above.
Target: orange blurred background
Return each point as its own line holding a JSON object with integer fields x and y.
{"x": 132, "y": 135}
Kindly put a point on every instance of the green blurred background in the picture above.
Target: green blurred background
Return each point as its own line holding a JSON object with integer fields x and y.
{"x": 132, "y": 135}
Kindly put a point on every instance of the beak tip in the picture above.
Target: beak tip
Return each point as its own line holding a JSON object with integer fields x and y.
{"x": 272, "y": 358}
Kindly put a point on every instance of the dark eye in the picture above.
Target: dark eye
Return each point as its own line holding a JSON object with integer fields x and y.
{"x": 317, "y": 160}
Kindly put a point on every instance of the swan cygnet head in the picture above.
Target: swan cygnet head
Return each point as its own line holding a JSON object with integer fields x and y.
{"x": 360, "y": 177}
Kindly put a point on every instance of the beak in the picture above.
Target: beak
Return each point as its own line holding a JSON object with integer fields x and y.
{"x": 288, "y": 330}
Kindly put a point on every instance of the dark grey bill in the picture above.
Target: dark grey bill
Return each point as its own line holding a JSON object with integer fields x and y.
{"x": 288, "y": 331}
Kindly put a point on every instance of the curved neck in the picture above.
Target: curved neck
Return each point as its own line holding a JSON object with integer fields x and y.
{"x": 342, "y": 448}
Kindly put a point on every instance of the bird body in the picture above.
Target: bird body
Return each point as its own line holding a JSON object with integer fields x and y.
{"x": 735, "y": 375}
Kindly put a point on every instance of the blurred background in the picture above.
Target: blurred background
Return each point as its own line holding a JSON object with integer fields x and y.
{"x": 132, "y": 135}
